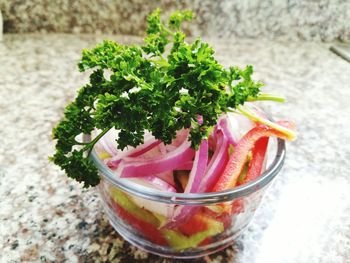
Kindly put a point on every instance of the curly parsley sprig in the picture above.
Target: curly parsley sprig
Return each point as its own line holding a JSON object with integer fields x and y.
{"x": 161, "y": 86}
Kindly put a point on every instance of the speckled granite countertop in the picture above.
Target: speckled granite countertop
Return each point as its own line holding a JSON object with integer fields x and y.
{"x": 45, "y": 217}
{"x": 325, "y": 20}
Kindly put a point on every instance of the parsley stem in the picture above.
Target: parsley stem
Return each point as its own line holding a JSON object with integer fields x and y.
{"x": 252, "y": 116}
{"x": 91, "y": 144}
{"x": 265, "y": 96}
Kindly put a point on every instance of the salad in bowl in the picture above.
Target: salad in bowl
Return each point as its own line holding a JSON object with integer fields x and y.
{"x": 174, "y": 142}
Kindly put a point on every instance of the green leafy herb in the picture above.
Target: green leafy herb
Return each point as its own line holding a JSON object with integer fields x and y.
{"x": 161, "y": 86}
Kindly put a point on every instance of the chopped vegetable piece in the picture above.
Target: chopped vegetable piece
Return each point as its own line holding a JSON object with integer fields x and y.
{"x": 139, "y": 150}
{"x": 167, "y": 177}
{"x": 199, "y": 223}
{"x": 234, "y": 167}
{"x": 198, "y": 169}
{"x": 256, "y": 164}
{"x": 227, "y": 130}
{"x": 153, "y": 182}
{"x": 131, "y": 167}
{"x": 287, "y": 131}
{"x": 179, "y": 241}
{"x": 217, "y": 163}
{"x": 244, "y": 172}
{"x": 147, "y": 229}
{"x": 124, "y": 201}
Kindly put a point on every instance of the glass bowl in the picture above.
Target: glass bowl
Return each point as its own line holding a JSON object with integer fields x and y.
{"x": 204, "y": 223}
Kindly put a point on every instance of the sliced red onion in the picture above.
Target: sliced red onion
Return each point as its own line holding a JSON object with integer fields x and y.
{"x": 167, "y": 177}
{"x": 154, "y": 182}
{"x": 162, "y": 148}
{"x": 181, "y": 136}
{"x": 198, "y": 169}
{"x": 113, "y": 164}
{"x": 239, "y": 125}
{"x": 227, "y": 130}
{"x": 170, "y": 148}
{"x": 217, "y": 163}
{"x": 187, "y": 166}
{"x": 107, "y": 142}
{"x": 141, "y": 149}
{"x": 148, "y": 144}
{"x": 138, "y": 167}
{"x": 195, "y": 178}
{"x": 212, "y": 173}
{"x": 147, "y": 149}
{"x": 150, "y": 154}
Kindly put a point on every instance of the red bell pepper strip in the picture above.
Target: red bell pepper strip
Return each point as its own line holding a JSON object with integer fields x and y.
{"x": 256, "y": 164}
{"x": 258, "y": 157}
{"x": 237, "y": 160}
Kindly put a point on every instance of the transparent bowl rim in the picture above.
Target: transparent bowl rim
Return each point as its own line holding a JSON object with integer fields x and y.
{"x": 192, "y": 198}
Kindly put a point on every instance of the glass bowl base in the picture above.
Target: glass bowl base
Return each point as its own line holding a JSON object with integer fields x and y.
{"x": 167, "y": 251}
